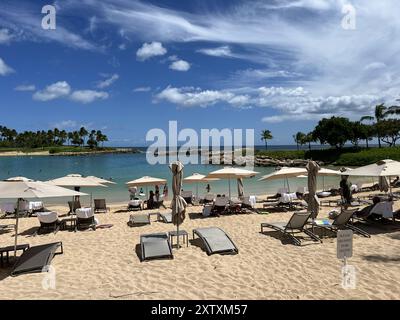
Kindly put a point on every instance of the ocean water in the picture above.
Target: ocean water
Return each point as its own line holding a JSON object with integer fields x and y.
{"x": 125, "y": 167}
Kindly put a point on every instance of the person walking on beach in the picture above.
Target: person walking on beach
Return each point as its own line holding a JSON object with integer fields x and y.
{"x": 208, "y": 188}
{"x": 165, "y": 191}
{"x": 157, "y": 193}
{"x": 133, "y": 191}
{"x": 345, "y": 187}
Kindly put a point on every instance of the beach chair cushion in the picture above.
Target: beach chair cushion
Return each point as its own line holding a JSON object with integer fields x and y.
{"x": 166, "y": 217}
{"x": 139, "y": 219}
{"x": 47, "y": 217}
{"x": 156, "y": 245}
{"x": 216, "y": 240}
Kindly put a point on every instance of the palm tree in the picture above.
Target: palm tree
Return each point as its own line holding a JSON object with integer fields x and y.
{"x": 83, "y": 133}
{"x": 381, "y": 112}
{"x": 266, "y": 135}
{"x": 299, "y": 138}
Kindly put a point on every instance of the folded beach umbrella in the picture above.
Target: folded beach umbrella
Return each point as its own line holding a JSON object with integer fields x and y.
{"x": 178, "y": 204}
{"x": 240, "y": 188}
{"x": 284, "y": 173}
{"x": 197, "y": 178}
{"x": 231, "y": 173}
{"x": 383, "y": 184}
{"x": 312, "y": 199}
{"x": 31, "y": 189}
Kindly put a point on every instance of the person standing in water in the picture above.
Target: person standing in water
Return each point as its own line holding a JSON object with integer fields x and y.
{"x": 208, "y": 188}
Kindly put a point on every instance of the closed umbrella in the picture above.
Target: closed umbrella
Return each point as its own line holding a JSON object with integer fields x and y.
{"x": 312, "y": 199}
{"x": 178, "y": 203}
{"x": 384, "y": 184}
{"x": 20, "y": 189}
{"x": 240, "y": 188}
{"x": 231, "y": 173}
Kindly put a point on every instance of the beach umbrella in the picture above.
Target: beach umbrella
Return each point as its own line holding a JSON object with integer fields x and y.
{"x": 77, "y": 181}
{"x": 100, "y": 180}
{"x": 178, "y": 203}
{"x": 19, "y": 189}
{"x": 146, "y": 181}
{"x": 197, "y": 178}
{"x": 231, "y": 173}
{"x": 18, "y": 179}
{"x": 383, "y": 168}
{"x": 240, "y": 188}
{"x": 312, "y": 199}
{"x": 284, "y": 173}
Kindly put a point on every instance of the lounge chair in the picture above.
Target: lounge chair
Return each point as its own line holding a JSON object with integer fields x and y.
{"x": 135, "y": 204}
{"x": 296, "y": 224}
{"x": 48, "y": 221}
{"x": 215, "y": 240}
{"x": 156, "y": 245}
{"x": 188, "y": 196}
{"x": 208, "y": 198}
{"x": 220, "y": 205}
{"x": 138, "y": 219}
{"x": 36, "y": 259}
{"x": 166, "y": 217}
{"x": 342, "y": 221}
{"x": 100, "y": 206}
{"x": 73, "y": 205}
{"x": 85, "y": 220}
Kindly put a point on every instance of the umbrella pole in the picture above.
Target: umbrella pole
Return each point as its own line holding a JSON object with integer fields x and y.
{"x": 177, "y": 232}
{"x": 229, "y": 182}
{"x": 16, "y": 228}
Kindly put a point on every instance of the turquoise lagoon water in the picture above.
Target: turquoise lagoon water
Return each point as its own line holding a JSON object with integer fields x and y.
{"x": 125, "y": 167}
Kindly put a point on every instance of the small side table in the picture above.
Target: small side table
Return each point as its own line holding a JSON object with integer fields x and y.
{"x": 182, "y": 233}
{"x": 68, "y": 223}
{"x": 7, "y": 251}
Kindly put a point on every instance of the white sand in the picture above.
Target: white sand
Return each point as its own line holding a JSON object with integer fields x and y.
{"x": 103, "y": 264}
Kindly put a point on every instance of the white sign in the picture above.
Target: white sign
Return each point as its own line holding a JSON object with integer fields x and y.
{"x": 348, "y": 277}
{"x": 344, "y": 244}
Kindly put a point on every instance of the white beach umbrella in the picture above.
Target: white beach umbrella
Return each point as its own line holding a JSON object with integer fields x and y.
{"x": 76, "y": 180}
{"x": 284, "y": 173}
{"x": 31, "y": 189}
{"x": 231, "y": 173}
{"x": 100, "y": 180}
{"x": 18, "y": 179}
{"x": 198, "y": 178}
{"x": 146, "y": 181}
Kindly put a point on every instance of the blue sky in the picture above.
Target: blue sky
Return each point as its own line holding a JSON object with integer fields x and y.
{"x": 128, "y": 66}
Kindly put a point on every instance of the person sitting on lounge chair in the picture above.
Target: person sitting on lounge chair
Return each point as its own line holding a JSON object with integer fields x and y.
{"x": 365, "y": 212}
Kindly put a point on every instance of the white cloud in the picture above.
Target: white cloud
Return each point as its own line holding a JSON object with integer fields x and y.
{"x": 5, "y": 69}
{"x": 142, "y": 89}
{"x": 88, "y": 96}
{"x": 25, "y": 87}
{"x": 148, "y": 50}
{"x": 180, "y": 65}
{"x": 5, "y": 36}
{"x": 107, "y": 82}
{"x": 65, "y": 124}
{"x": 223, "y": 51}
{"x": 53, "y": 91}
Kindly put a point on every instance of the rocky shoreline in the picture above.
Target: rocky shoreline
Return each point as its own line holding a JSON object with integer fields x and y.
{"x": 68, "y": 153}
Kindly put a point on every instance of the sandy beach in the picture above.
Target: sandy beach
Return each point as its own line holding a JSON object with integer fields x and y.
{"x": 104, "y": 264}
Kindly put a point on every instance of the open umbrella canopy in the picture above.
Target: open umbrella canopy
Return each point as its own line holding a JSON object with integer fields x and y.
{"x": 284, "y": 172}
{"x": 197, "y": 177}
{"x": 75, "y": 180}
{"x": 231, "y": 173}
{"x": 33, "y": 189}
{"x": 382, "y": 168}
{"x": 18, "y": 179}
{"x": 146, "y": 181}
{"x": 100, "y": 180}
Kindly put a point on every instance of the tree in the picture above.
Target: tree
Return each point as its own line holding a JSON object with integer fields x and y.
{"x": 266, "y": 135}
{"x": 334, "y": 131}
{"x": 299, "y": 138}
{"x": 389, "y": 131}
{"x": 101, "y": 138}
{"x": 382, "y": 112}
{"x": 92, "y": 142}
{"x": 308, "y": 138}
{"x": 82, "y": 134}
{"x": 70, "y": 137}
